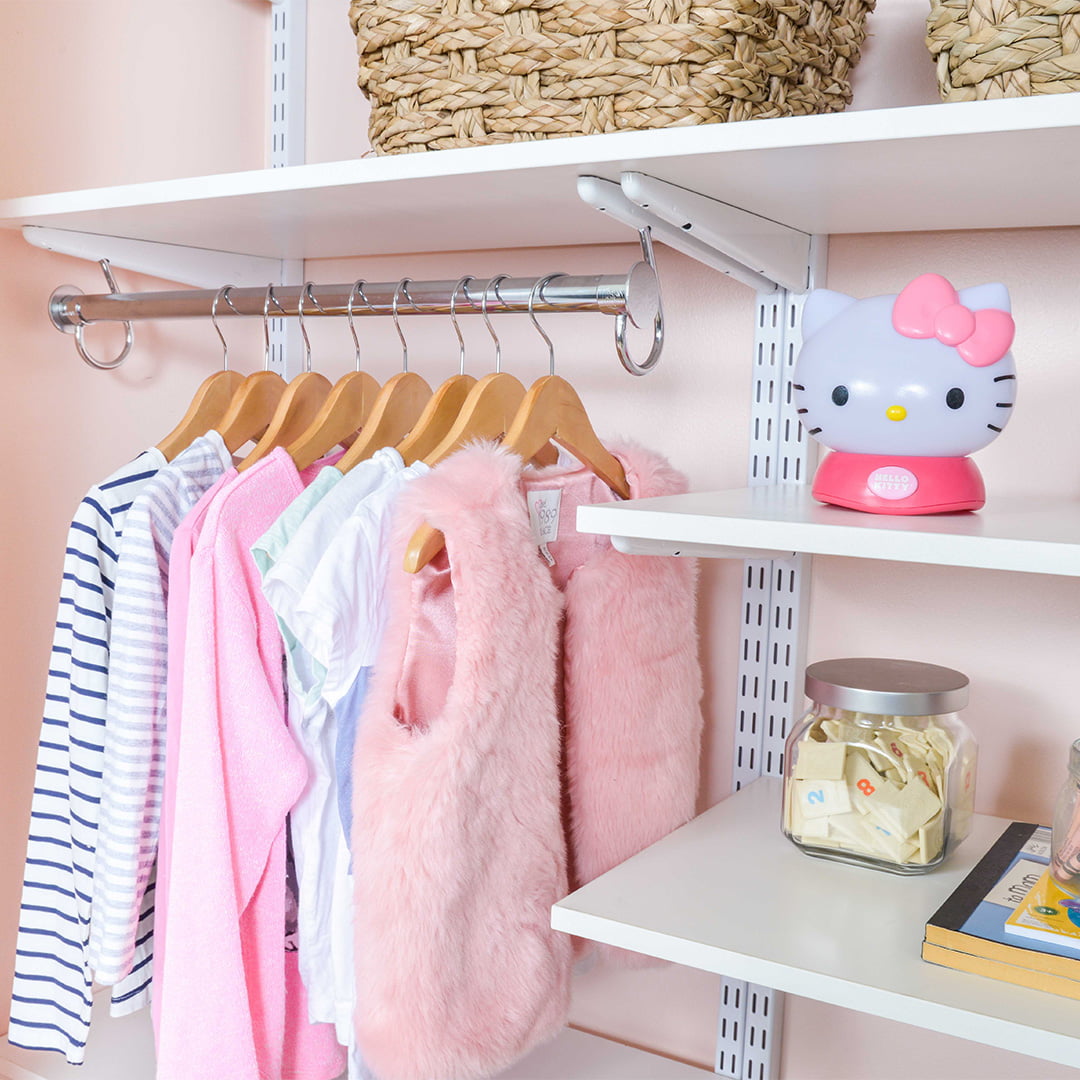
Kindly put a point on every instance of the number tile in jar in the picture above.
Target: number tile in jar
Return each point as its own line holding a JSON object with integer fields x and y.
{"x": 880, "y": 771}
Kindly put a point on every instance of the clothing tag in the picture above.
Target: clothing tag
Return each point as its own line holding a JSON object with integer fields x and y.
{"x": 544, "y": 515}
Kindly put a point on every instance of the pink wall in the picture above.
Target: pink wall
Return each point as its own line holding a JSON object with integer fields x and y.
{"x": 154, "y": 112}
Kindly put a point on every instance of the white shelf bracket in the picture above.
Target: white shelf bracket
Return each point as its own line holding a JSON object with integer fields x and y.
{"x": 759, "y": 252}
{"x": 200, "y": 267}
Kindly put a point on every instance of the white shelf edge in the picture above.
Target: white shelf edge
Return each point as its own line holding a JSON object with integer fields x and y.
{"x": 852, "y": 534}
{"x": 982, "y": 1018}
{"x": 988, "y": 1030}
{"x": 939, "y": 120}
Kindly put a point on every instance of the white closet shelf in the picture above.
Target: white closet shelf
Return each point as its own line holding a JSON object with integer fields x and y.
{"x": 728, "y": 893}
{"x": 943, "y": 166}
{"x": 1027, "y": 533}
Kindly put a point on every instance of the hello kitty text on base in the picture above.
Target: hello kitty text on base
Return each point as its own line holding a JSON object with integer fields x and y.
{"x": 902, "y": 388}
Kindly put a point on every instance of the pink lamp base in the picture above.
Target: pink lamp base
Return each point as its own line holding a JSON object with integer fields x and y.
{"x": 881, "y": 484}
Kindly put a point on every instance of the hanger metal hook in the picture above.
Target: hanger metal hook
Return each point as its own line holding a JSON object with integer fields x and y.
{"x": 222, "y": 293}
{"x": 266, "y": 322}
{"x": 538, "y": 290}
{"x": 622, "y": 321}
{"x": 80, "y": 329}
{"x": 493, "y": 283}
{"x": 304, "y": 292}
{"x": 358, "y": 287}
{"x": 402, "y": 287}
{"x": 462, "y": 283}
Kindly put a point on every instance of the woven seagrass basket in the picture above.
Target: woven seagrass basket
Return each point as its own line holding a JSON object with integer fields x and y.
{"x": 1004, "y": 48}
{"x": 449, "y": 73}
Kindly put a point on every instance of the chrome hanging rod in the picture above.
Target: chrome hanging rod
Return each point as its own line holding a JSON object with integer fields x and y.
{"x": 635, "y": 295}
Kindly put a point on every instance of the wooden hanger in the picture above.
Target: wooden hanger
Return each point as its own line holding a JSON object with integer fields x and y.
{"x": 251, "y": 409}
{"x": 398, "y": 407}
{"x": 212, "y": 399}
{"x": 347, "y": 408}
{"x": 302, "y": 400}
{"x": 337, "y": 422}
{"x": 487, "y": 413}
{"x": 446, "y": 403}
{"x": 439, "y": 415}
{"x": 295, "y": 411}
{"x": 207, "y": 410}
{"x": 551, "y": 412}
{"x": 396, "y": 410}
{"x": 255, "y": 402}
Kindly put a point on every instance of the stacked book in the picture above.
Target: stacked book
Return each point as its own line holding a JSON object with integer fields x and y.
{"x": 1009, "y": 919}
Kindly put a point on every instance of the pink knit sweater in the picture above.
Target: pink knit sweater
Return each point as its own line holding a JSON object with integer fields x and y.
{"x": 232, "y": 1004}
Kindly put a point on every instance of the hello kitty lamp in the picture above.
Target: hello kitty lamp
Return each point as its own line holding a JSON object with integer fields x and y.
{"x": 901, "y": 389}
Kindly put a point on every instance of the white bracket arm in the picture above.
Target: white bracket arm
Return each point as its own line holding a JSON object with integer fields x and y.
{"x": 759, "y": 252}
{"x": 200, "y": 267}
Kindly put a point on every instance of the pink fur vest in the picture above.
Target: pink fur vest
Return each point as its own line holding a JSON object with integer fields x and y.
{"x": 526, "y": 729}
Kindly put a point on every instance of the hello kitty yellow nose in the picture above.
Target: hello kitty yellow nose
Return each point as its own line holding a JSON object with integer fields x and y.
{"x": 896, "y": 412}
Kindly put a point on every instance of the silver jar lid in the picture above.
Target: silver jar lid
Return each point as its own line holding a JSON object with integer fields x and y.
{"x": 887, "y": 687}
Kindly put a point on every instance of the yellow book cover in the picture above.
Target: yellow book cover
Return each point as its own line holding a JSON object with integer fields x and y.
{"x": 996, "y": 969}
{"x": 1048, "y": 913}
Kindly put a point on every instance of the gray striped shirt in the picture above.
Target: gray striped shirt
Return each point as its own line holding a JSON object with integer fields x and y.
{"x": 134, "y": 759}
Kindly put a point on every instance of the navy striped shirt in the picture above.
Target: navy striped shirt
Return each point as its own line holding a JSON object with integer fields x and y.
{"x": 51, "y": 996}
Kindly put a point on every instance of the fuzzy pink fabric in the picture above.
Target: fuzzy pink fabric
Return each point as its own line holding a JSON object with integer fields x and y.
{"x": 632, "y": 690}
{"x": 459, "y": 841}
{"x": 458, "y": 849}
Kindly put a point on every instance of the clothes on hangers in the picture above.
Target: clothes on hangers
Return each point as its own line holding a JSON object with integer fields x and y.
{"x": 492, "y": 653}
{"x": 234, "y": 1005}
{"x": 278, "y": 685}
{"x": 134, "y": 734}
{"x": 50, "y": 1001}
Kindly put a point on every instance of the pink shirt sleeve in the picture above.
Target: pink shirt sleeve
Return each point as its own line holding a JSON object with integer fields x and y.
{"x": 238, "y": 773}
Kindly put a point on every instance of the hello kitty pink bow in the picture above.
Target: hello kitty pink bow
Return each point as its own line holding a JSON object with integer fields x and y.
{"x": 929, "y": 307}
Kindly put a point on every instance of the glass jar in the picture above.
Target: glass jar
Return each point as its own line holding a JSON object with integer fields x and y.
{"x": 881, "y": 771}
{"x": 1065, "y": 837}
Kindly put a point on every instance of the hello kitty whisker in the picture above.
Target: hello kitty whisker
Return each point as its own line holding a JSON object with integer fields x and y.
{"x": 796, "y": 386}
{"x": 1001, "y": 378}
{"x": 801, "y": 411}
{"x": 992, "y": 428}
{"x": 1004, "y": 404}
{"x": 813, "y": 431}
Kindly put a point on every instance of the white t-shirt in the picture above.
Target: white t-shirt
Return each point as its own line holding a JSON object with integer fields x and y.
{"x": 287, "y": 555}
{"x": 287, "y": 581}
{"x": 339, "y": 619}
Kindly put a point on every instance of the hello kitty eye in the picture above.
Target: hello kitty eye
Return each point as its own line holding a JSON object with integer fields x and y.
{"x": 840, "y": 395}
{"x": 954, "y": 398}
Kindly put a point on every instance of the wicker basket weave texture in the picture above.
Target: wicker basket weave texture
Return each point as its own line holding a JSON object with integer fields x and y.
{"x": 1004, "y": 48}
{"x": 449, "y": 73}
